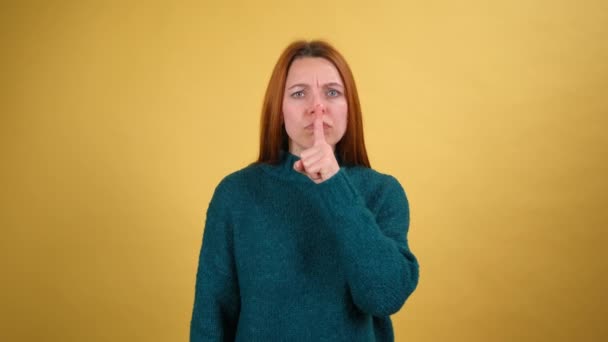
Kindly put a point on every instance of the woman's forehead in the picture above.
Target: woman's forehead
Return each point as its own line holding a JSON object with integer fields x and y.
{"x": 312, "y": 71}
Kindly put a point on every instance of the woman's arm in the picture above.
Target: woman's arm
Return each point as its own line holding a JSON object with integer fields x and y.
{"x": 217, "y": 298}
{"x": 381, "y": 270}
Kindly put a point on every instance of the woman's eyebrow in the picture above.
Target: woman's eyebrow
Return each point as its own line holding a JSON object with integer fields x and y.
{"x": 333, "y": 84}
{"x": 330, "y": 84}
{"x": 303, "y": 85}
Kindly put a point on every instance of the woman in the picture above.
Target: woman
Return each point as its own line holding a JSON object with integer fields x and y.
{"x": 308, "y": 243}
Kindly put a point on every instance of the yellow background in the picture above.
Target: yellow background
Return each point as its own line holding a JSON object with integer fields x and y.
{"x": 119, "y": 118}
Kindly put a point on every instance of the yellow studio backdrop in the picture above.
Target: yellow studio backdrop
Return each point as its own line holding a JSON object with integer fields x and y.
{"x": 118, "y": 119}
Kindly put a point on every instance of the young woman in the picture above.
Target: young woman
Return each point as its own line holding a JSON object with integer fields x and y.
{"x": 308, "y": 243}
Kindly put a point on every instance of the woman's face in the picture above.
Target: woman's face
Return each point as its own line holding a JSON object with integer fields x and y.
{"x": 313, "y": 88}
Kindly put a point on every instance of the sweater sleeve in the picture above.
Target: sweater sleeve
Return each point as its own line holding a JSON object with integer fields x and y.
{"x": 381, "y": 271}
{"x": 217, "y": 297}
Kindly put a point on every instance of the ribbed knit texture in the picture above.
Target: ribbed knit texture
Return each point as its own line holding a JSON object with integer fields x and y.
{"x": 285, "y": 259}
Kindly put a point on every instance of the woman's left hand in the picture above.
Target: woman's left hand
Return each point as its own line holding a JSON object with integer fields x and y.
{"x": 318, "y": 162}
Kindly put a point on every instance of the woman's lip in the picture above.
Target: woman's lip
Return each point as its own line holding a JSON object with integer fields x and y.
{"x": 312, "y": 125}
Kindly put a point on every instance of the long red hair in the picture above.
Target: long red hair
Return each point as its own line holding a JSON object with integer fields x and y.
{"x": 273, "y": 137}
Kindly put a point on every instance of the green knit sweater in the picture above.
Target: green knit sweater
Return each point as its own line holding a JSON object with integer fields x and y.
{"x": 285, "y": 259}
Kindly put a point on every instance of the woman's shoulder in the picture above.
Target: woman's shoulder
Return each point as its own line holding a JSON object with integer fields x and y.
{"x": 240, "y": 177}
{"x": 370, "y": 176}
{"x": 376, "y": 187}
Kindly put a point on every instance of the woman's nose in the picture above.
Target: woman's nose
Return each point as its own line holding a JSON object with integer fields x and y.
{"x": 318, "y": 108}
{"x": 317, "y": 105}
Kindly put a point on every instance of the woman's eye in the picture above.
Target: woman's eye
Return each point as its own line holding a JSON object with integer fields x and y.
{"x": 333, "y": 93}
{"x": 298, "y": 94}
